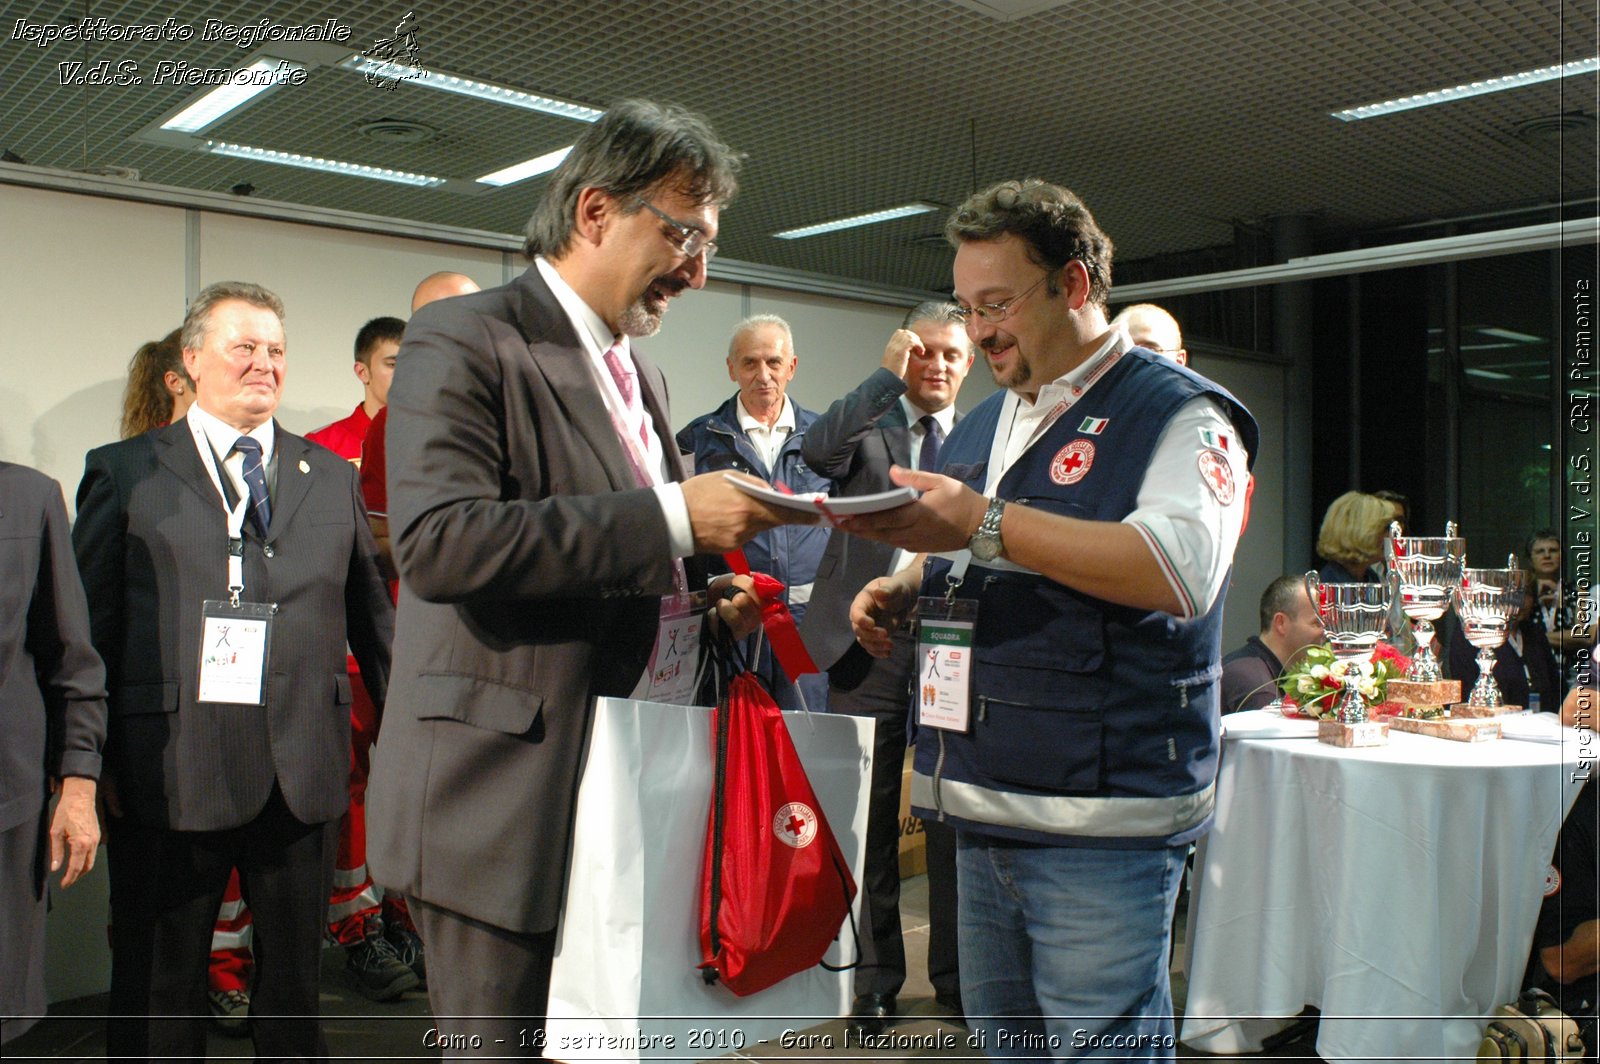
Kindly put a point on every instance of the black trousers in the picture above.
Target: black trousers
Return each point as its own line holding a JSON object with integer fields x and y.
{"x": 884, "y": 694}
{"x": 488, "y": 986}
{"x": 165, "y": 889}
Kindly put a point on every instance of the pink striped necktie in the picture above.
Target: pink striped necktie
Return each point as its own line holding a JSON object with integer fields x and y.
{"x": 625, "y": 379}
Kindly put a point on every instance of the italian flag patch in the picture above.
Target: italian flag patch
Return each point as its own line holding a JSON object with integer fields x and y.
{"x": 1217, "y": 441}
{"x": 1094, "y": 426}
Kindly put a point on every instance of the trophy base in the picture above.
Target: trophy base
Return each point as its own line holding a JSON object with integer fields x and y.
{"x": 1367, "y": 733}
{"x": 1432, "y": 695}
{"x": 1471, "y": 730}
{"x": 1463, "y": 710}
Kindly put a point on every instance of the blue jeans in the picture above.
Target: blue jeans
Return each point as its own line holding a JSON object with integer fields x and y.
{"x": 1064, "y": 950}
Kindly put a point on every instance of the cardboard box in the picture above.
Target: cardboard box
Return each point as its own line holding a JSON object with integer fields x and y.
{"x": 913, "y": 841}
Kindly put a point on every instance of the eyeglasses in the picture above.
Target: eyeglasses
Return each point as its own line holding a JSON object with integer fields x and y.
{"x": 996, "y": 311}
{"x": 692, "y": 240}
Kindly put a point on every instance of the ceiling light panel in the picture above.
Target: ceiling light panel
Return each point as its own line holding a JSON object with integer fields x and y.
{"x": 312, "y": 162}
{"x": 873, "y": 218}
{"x": 483, "y": 90}
{"x": 1475, "y": 88}
{"x": 244, "y": 85}
{"x": 542, "y": 164}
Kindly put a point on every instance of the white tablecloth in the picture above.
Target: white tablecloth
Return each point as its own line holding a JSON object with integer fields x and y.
{"x": 1395, "y": 888}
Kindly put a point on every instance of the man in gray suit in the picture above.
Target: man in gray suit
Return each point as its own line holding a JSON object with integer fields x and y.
{"x": 539, "y": 516}
{"x": 897, "y": 416}
{"x": 52, "y": 725}
{"x": 188, "y": 537}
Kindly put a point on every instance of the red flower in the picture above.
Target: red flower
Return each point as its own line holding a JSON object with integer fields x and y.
{"x": 1384, "y": 652}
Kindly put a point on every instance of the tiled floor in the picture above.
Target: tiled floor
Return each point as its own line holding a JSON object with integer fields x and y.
{"x": 360, "y": 1030}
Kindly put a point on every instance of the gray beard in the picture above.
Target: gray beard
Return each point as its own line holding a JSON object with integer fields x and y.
{"x": 638, "y": 321}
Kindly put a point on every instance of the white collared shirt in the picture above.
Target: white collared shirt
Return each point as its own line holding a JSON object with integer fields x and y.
{"x": 215, "y": 438}
{"x": 767, "y": 441}
{"x": 945, "y": 418}
{"x": 1189, "y": 531}
{"x": 596, "y": 338}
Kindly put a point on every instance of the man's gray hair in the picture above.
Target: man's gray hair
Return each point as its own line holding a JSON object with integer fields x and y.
{"x": 634, "y": 147}
{"x": 935, "y": 311}
{"x": 198, "y": 320}
{"x": 1052, "y": 222}
{"x": 756, "y": 321}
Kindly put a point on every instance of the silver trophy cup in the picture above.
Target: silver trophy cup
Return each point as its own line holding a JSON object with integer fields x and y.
{"x": 1487, "y": 602}
{"x": 1423, "y": 570}
{"x": 1353, "y": 620}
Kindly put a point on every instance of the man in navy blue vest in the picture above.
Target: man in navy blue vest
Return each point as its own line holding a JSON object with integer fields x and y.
{"x": 1088, "y": 512}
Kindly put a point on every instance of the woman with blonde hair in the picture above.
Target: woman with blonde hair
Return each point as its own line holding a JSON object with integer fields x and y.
{"x": 1351, "y": 539}
{"x": 159, "y": 390}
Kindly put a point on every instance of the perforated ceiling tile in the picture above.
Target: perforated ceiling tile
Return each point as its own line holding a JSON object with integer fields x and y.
{"x": 1174, "y": 120}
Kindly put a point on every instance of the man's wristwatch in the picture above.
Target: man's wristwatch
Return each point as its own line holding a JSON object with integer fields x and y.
{"x": 985, "y": 542}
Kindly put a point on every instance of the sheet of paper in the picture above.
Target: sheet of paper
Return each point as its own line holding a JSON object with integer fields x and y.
{"x": 817, "y": 502}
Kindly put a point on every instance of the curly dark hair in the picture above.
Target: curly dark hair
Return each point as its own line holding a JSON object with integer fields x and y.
{"x": 1054, "y": 223}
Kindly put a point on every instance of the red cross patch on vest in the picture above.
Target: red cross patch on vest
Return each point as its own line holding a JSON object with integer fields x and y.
{"x": 1071, "y": 463}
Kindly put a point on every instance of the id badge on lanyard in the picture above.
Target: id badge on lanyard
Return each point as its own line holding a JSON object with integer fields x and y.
{"x": 671, "y": 678}
{"x": 235, "y": 635}
{"x": 944, "y": 655}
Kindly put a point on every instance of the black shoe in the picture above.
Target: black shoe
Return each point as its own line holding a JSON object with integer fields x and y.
{"x": 376, "y": 971}
{"x": 947, "y": 1007}
{"x": 408, "y": 947}
{"x": 870, "y": 1015}
{"x": 230, "y": 1011}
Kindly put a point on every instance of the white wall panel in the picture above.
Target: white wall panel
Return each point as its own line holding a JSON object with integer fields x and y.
{"x": 88, "y": 281}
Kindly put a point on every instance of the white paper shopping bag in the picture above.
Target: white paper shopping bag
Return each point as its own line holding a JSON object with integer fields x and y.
{"x": 625, "y": 983}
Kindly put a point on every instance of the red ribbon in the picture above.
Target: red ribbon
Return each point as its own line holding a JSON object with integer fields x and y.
{"x": 781, "y": 630}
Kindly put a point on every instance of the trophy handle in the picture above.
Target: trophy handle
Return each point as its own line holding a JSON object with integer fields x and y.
{"x": 1451, "y": 530}
{"x": 1314, "y": 593}
{"x": 1391, "y": 546}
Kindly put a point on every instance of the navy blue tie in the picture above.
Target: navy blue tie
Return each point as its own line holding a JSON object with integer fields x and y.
{"x": 255, "y": 478}
{"x": 932, "y": 440}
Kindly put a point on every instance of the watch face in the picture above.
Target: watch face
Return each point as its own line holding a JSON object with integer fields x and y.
{"x": 986, "y": 548}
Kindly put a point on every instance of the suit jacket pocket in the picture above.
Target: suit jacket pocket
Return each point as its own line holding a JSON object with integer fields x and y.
{"x": 330, "y": 517}
{"x": 141, "y": 698}
{"x": 482, "y": 703}
{"x": 341, "y": 688}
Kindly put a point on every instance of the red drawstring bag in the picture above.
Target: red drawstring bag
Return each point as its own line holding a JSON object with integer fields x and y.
{"x": 775, "y": 888}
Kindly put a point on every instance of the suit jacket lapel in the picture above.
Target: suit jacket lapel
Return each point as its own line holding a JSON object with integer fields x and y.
{"x": 653, "y": 392}
{"x": 293, "y": 482}
{"x": 897, "y": 434}
{"x": 564, "y": 364}
{"x": 175, "y": 449}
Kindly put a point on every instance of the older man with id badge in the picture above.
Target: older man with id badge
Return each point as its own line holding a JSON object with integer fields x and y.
{"x": 227, "y": 564}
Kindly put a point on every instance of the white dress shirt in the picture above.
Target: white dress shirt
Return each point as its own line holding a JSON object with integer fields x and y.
{"x": 214, "y": 438}
{"x": 597, "y": 339}
{"x": 1189, "y": 531}
{"x": 767, "y": 441}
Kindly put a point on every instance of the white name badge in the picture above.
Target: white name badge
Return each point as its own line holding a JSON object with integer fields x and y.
{"x": 944, "y": 662}
{"x": 234, "y": 641}
{"x": 671, "y": 677}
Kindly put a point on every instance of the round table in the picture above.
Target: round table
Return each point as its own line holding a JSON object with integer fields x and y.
{"x": 1395, "y": 888}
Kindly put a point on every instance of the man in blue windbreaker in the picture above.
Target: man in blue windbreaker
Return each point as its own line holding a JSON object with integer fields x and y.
{"x": 759, "y": 431}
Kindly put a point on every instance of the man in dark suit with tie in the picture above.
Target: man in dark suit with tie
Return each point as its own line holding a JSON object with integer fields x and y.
{"x": 539, "y": 514}
{"x": 899, "y": 416}
{"x": 188, "y": 538}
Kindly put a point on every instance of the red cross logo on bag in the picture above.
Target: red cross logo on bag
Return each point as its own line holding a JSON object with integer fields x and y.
{"x": 1071, "y": 463}
{"x": 795, "y": 824}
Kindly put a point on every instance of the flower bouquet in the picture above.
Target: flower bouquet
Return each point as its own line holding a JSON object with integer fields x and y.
{"x": 1312, "y": 685}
